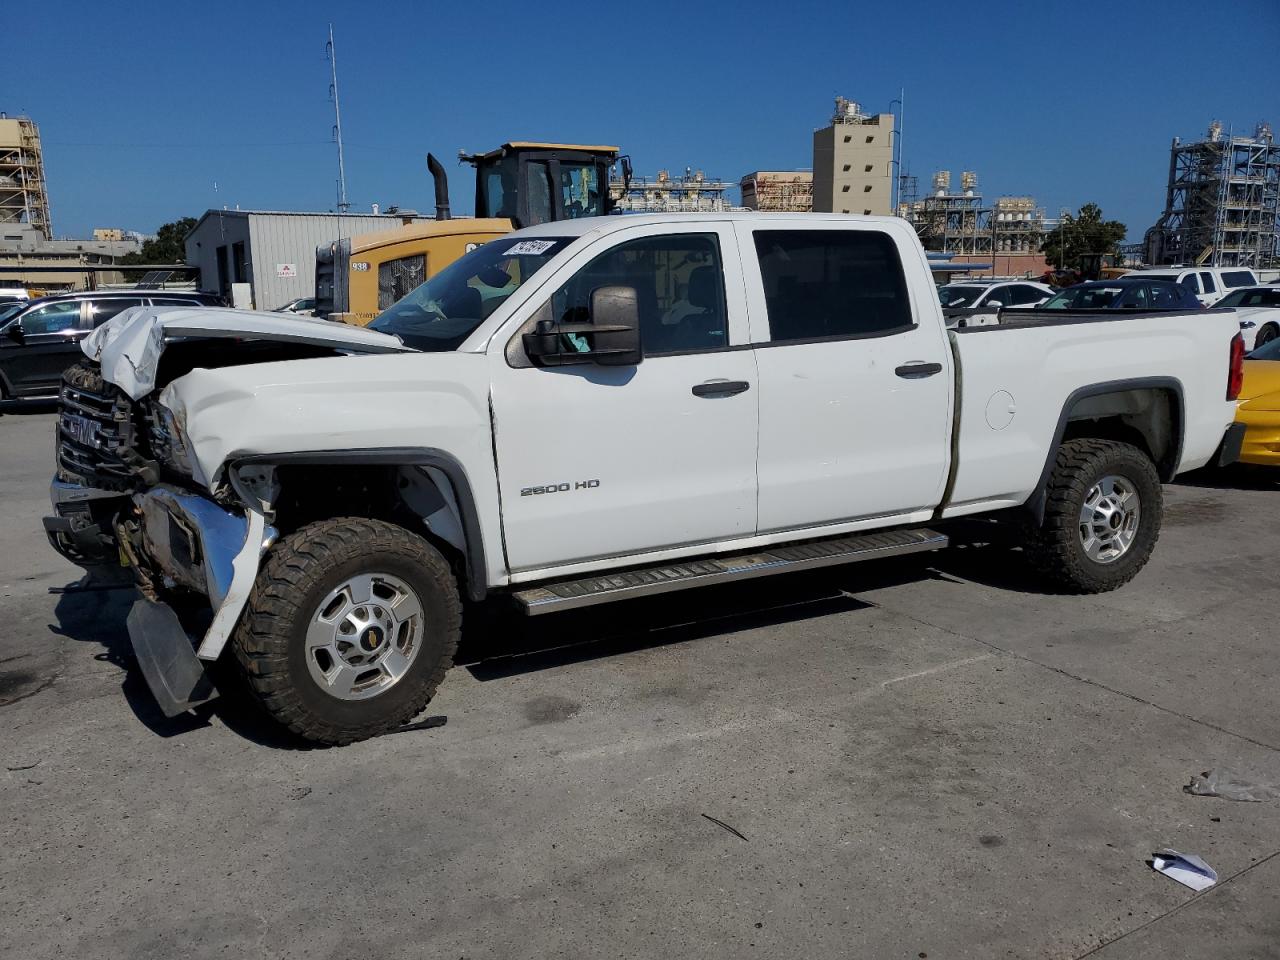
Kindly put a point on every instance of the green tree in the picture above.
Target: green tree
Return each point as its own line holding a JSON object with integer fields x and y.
{"x": 166, "y": 246}
{"x": 1084, "y": 233}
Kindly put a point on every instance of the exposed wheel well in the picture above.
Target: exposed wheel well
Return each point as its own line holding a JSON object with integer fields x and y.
{"x": 1149, "y": 418}
{"x": 416, "y": 496}
{"x": 1147, "y": 414}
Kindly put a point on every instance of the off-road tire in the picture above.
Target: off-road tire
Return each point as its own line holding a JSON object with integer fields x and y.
{"x": 300, "y": 570}
{"x": 1054, "y": 547}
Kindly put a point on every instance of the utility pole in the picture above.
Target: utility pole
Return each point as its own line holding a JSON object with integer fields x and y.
{"x": 332, "y": 53}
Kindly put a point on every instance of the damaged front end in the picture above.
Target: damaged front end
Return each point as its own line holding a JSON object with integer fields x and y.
{"x": 181, "y": 545}
{"x": 119, "y": 497}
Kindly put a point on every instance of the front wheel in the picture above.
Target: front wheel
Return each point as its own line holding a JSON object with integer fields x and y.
{"x": 349, "y": 630}
{"x": 1102, "y": 516}
{"x": 1266, "y": 335}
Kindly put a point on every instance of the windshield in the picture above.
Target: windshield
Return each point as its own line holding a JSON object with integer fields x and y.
{"x": 1082, "y": 298}
{"x": 1268, "y": 351}
{"x": 9, "y": 310}
{"x": 957, "y": 295}
{"x": 1260, "y": 297}
{"x": 441, "y": 313}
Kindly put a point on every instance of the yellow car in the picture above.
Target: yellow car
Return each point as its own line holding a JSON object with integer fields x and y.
{"x": 1259, "y": 406}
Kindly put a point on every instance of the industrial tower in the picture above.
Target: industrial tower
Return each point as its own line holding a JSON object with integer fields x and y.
{"x": 22, "y": 192}
{"x": 1221, "y": 201}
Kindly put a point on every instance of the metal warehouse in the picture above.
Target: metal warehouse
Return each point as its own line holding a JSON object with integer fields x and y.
{"x": 272, "y": 252}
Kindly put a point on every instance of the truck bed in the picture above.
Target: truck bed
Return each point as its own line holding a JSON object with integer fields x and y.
{"x": 1018, "y": 385}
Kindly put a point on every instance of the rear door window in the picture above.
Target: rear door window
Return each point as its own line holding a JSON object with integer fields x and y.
{"x": 1023, "y": 294}
{"x": 100, "y": 311}
{"x": 832, "y": 284}
{"x": 1164, "y": 295}
{"x": 1237, "y": 278}
{"x": 679, "y": 282}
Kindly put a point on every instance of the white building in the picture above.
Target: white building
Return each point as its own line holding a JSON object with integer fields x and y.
{"x": 274, "y": 252}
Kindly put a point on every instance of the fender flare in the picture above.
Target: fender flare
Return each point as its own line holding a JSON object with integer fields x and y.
{"x": 446, "y": 463}
{"x": 1036, "y": 503}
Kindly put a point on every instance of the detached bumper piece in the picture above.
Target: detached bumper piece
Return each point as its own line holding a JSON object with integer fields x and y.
{"x": 1229, "y": 450}
{"x": 663, "y": 578}
{"x": 80, "y": 528}
{"x": 167, "y": 658}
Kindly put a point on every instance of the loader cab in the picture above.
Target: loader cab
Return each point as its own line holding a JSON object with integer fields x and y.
{"x": 532, "y": 183}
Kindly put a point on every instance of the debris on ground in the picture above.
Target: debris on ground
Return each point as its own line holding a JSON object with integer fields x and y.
{"x": 721, "y": 823}
{"x": 1222, "y": 782}
{"x": 1188, "y": 869}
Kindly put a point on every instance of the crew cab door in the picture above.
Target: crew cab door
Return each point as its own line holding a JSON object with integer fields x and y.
{"x": 855, "y": 374}
{"x": 607, "y": 461}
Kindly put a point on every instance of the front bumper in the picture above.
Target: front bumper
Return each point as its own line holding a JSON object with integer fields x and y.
{"x": 1261, "y": 432}
{"x": 81, "y": 526}
{"x": 179, "y": 539}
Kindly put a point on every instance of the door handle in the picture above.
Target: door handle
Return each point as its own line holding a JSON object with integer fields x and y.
{"x": 918, "y": 370}
{"x": 720, "y": 388}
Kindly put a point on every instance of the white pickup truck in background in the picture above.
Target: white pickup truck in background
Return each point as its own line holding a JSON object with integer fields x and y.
{"x": 594, "y": 410}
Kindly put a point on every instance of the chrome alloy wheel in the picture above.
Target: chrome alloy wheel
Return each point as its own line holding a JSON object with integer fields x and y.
{"x": 364, "y": 636}
{"x": 1109, "y": 519}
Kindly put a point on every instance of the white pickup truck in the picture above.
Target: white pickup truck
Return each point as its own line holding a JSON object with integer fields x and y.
{"x": 590, "y": 411}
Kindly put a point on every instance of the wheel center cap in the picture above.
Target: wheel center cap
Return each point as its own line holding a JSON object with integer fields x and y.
{"x": 371, "y": 639}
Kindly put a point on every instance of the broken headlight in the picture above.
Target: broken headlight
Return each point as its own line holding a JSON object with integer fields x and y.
{"x": 168, "y": 441}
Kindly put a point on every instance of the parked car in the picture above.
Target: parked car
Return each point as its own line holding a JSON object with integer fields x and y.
{"x": 1125, "y": 293}
{"x": 1258, "y": 409}
{"x": 302, "y": 306}
{"x": 1209, "y": 284}
{"x": 41, "y": 338}
{"x": 9, "y": 294}
{"x": 591, "y": 410}
{"x": 1259, "y": 311}
{"x": 989, "y": 294}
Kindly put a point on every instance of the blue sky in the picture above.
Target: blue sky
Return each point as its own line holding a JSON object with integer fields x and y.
{"x": 143, "y": 113}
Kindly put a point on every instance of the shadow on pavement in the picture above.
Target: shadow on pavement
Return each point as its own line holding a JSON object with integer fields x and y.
{"x": 93, "y": 610}
{"x": 498, "y": 641}
{"x": 1239, "y": 476}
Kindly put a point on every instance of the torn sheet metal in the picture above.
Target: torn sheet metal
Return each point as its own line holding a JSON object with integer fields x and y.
{"x": 129, "y": 345}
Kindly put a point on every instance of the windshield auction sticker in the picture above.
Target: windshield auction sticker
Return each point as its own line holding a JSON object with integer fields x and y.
{"x": 530, "y": 248}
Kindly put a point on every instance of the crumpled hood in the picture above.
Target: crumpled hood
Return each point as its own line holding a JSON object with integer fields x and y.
{"x": 129, "y": 345}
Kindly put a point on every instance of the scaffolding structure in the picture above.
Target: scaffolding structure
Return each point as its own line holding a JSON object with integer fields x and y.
{"x": 691, "y": 192}
{"x": 778, "y": 191}
{"x": 23, "y": 198}
{"x": 1221, "y": 202}
{"x": 954, "y": 223}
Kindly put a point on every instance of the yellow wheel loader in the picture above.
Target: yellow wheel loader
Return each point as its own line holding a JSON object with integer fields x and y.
{"x": 517, "y": 185}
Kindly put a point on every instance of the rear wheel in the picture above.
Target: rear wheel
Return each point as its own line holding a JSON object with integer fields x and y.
{"x": 349, "y": 630}
{"x": 1102, "y": 516}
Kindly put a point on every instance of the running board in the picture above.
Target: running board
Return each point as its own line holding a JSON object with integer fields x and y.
{"x": 645, "y": 581}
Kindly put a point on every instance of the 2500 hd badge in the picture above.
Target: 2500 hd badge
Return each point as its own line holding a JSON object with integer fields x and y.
{"x": 559, "y": 488}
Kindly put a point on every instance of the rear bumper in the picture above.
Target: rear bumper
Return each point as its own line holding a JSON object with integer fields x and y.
{"x": 1228, "y": 451}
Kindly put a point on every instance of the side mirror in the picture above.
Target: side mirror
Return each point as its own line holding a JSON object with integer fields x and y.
{"x": 611, "y": 338}
{"x": 15, "y": 333}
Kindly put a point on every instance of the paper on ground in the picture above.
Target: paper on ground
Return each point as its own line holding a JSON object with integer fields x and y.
{"x": 1188, "y": 869}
